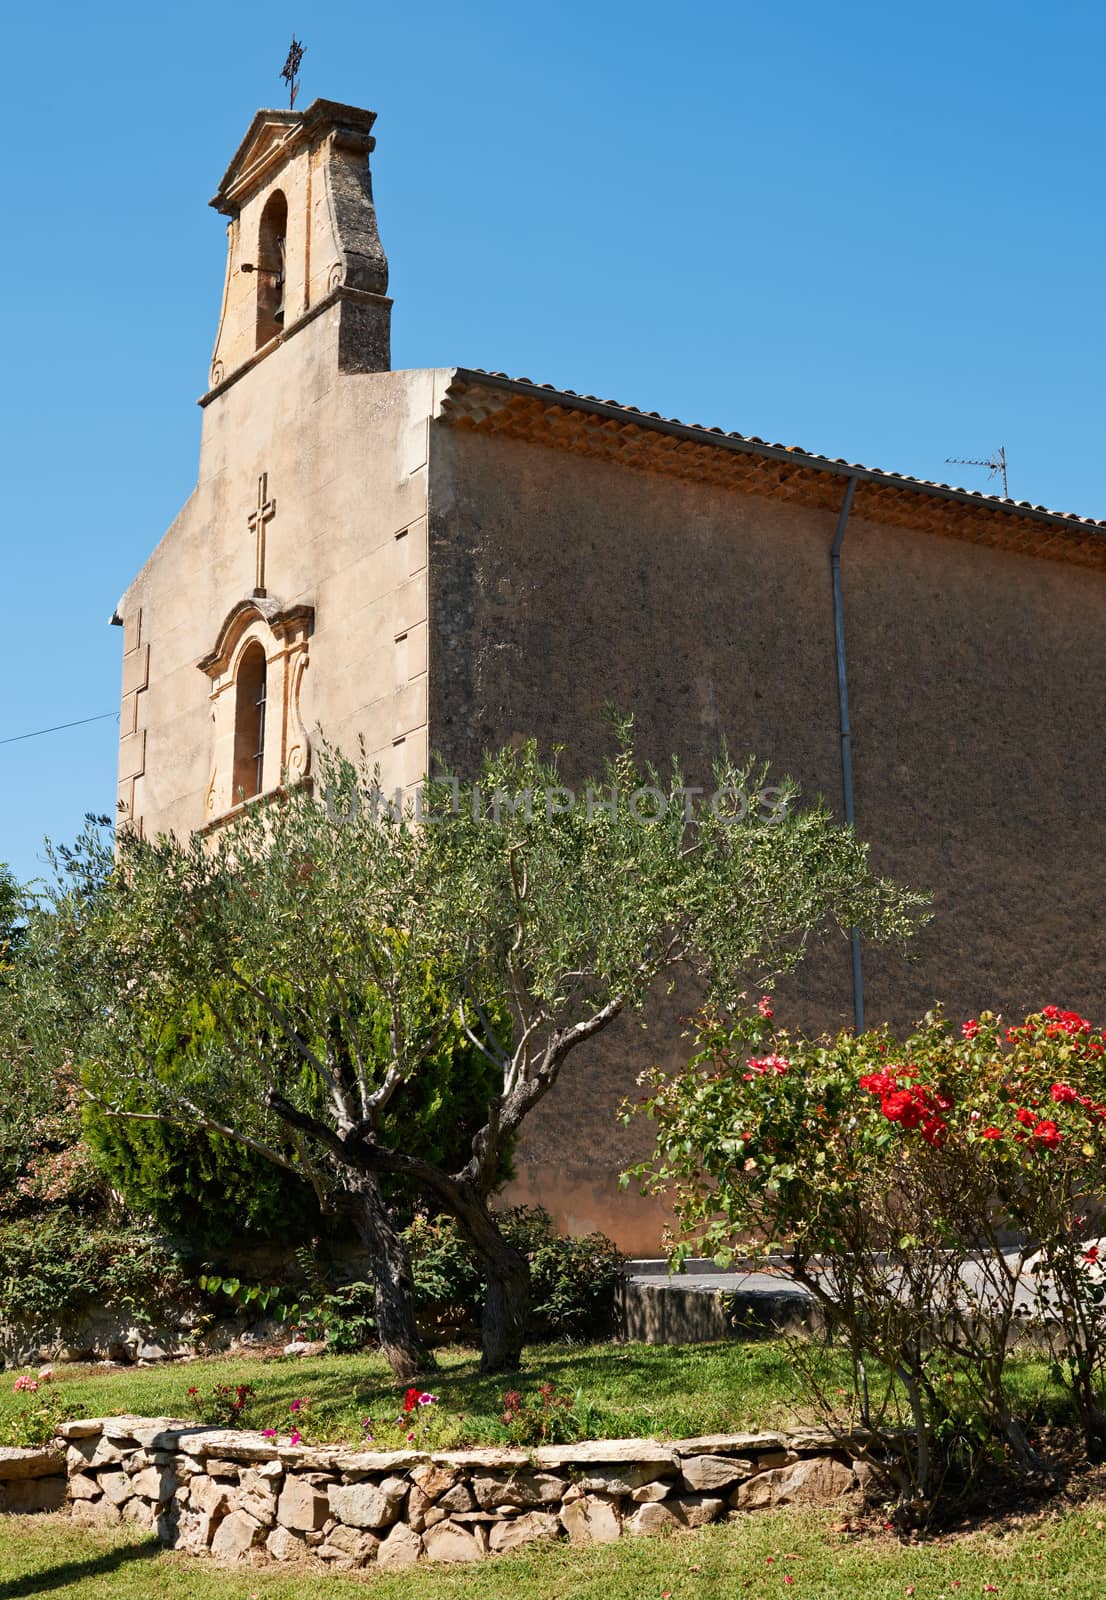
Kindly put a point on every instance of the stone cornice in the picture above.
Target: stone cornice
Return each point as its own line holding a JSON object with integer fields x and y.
{"x": 492, "y": 404}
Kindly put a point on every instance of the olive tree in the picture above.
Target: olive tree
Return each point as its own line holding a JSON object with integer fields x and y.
{"x": 542, "y": 915}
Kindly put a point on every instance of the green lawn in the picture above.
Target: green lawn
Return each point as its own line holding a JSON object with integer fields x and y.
{"x": 628, "y": 1389}
{"x": 1061, "y": 1555}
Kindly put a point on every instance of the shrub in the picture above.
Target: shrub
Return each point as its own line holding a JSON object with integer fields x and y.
{"x": 889, "y": 1177}
{"x": 224, "y": 1405}
{"x": 573, "y": 1281}
{"x": 36, "y": 1420}
{"x": 56, "y": 1266}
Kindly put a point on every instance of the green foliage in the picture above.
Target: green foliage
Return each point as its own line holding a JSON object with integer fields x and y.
{"x": 55, "y": 1266}
{"x": 11, "y": 919}
{"x": 547, "y": 1417}
{"x": 573, "y": 1281}
{"x": 35, "y": 1418}
{"x": 203, "y": 1188}
{"x": 223, "y": 1405}
{"x": 355, "y": 971}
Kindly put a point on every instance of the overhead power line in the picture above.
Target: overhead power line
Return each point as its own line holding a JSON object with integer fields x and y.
{"x": 58, "y": 727}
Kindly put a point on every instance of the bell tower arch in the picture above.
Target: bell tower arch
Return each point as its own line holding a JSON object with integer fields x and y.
{"x": 301, "y": 237}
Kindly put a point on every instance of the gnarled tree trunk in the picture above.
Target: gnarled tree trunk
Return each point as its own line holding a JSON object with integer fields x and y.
{"x": 507, "y": 1275}
{"x": 393, "y": 1284}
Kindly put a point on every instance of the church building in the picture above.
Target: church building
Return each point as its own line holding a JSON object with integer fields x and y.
{"x": 441, "y": 561}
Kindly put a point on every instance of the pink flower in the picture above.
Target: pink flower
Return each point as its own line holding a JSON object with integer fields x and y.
{"x": 410, "y": 1438}
{"x": 268, "y": 1433}
{"x": 294, "y": 1437}
{"x": 428, "y": 1399}
{"x": 46, "y": 1375}
{"x": 25, "y": 1386}
{"x": 297, "y": 1404}
{"x": 764, "y": 1006}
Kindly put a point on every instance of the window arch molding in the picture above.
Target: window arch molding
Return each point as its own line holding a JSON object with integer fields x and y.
{"x": 266, "y": 642}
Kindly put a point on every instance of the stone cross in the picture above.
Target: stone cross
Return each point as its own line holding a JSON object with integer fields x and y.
{"x": 264, "y": 512}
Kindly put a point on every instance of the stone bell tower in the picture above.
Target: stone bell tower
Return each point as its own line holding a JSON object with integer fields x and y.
{"x": 302, "y": 238}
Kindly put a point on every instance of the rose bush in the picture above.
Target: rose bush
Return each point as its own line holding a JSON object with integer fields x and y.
{"x": 935, "y": 1196}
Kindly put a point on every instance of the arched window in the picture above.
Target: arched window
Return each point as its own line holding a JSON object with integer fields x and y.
{"x": 270, "y": 268}
{"x": 249, "y": 724}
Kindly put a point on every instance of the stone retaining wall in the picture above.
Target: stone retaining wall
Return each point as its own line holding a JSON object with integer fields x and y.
{"x": 241, "y": 1496}
{"x": 32, "y": 1480}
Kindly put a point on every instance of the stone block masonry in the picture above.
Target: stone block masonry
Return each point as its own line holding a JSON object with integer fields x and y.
{"x": 242, "y": 1497}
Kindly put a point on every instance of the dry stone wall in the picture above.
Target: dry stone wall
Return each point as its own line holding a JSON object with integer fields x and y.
{"x": 241, "y": 1496}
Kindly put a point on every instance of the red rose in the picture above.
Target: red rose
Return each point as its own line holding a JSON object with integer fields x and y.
{"x": 1047, "y": 1133}
{"x": 935, "y": 1132}
{"x": 1025, "y": 1116}
{"x": 991, "y": 1133}
{"x": 970, "y": 1028}
{"x": 410, "y": 1400}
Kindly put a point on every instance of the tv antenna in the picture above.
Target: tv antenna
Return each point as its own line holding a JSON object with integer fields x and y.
{"x": 290, "y": 70}
{"x": 996, "y": 466}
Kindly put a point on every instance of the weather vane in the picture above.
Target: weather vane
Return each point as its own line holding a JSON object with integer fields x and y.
{"x": 290, "y": 70}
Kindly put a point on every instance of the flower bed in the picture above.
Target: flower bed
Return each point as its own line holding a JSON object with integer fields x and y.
{"x": 241, "y": 1495}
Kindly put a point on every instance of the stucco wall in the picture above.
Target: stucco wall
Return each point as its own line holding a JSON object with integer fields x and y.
{"x": 560, "y": 584}
{"x": 345, "y": 457}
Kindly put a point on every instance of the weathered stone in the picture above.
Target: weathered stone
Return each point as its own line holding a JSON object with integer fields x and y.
{"x": 302, "y": 1506}
{"x": 368, "y": 1505}
{"x": 817, "y": 1481}
{"x": 401, "y": 1548}
{"x": 714, "y": 1472}
{"x": 20, "y": 1496}
{"x": 235, "y": 1536}
{"x": 257, "y": 1496}
{"x": 117, "y": 1487}
{"x": 141, "y": 1513}
{"x": 448, "y": 1541}
{"x": 81, "y": 1428}
{"x": 459, "y": 1498}
{"x": 41, "y": 1462}
{"x": 624, "y": 1478}
{"x": 434, "y": 1515}
{"x": 195, "y": 1530}
{"x": 525, "y": 1489}
{"x": 94, "y": 1513}
{"x": 209, "y": 1496}
{"x": 434, "y": 1480}
{"x": 418, "y": 1504}
{"x": 215, "y": 1467}
{"x": 283, "y": 1545}
{"x": 155, "y": 1483}
{"x": 654, "y": 1518}
{"x": 592, "y": 1520}
{"x": 269, "y": 1470}
{"x": 697, "y": 1510}
{"x": 606, "y": 1452}
{"x": 505, "y": 1536}
{"x": 79, "y": 1453}
{"x": 649, "y": 1493}
{"x": 348, "y": 1547}
{"x": 767, "y": 1459}
{"x": 106, "y": 1454}
{"x": 82, "y": 1487}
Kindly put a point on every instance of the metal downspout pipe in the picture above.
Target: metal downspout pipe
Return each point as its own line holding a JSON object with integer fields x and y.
{"x": 846, "y": 732}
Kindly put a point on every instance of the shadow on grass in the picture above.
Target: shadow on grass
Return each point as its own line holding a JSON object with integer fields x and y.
{"x": 72, "y": 1573}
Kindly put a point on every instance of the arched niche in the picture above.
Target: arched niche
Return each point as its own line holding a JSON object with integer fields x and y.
{"x": 258, "y": 739}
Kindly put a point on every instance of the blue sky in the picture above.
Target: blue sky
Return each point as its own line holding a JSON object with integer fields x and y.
{"x": 875, "y": 231}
